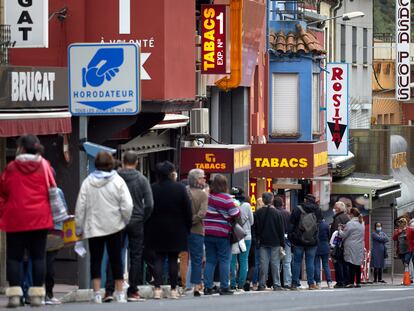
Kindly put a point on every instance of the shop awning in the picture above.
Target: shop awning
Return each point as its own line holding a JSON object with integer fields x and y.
{"x": 172, "y": 121}
{"x": 36, "y": 123}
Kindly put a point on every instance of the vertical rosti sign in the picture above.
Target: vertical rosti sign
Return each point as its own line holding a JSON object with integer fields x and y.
{"x": 213, "y": 39}
{"x": 337, "y": 108}
{"x": 403, "y": 41}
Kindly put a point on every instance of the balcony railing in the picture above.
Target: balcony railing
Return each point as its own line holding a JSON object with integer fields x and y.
{"x": 5, "y": 44}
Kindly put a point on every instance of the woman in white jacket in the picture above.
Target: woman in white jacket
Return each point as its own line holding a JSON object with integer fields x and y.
{"x": 103, "y": 209}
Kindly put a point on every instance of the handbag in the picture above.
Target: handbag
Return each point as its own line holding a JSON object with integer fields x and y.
{"x": 237, "y": 232}
{"x": 54, "y": 240}
{"x": 57, "y": 203}
{"x": 385, "y": 252}
{"x": 337, "y": 252}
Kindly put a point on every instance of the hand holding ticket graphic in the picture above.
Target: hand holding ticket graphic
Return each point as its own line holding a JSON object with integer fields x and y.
{"x": 103, "y": 65}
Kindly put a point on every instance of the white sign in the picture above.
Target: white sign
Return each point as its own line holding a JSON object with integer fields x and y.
{"x": 337, "y": 108}
{"x": 28, "y": 20}
{"x": 403, "y": 40}
{"x": 29, "y": 86}
{"x": 104, "y": 79}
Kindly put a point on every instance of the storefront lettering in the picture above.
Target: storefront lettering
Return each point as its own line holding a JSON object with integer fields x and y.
{"x": 281, "y": 162}
{"x": 337, "y": 87}
{"x": 211, "y": 163}
{"x": 29, "y": 86}
{"x": 25, "y": 18}
{"x": 403, "y": 34}
{"x": 241, "y": 159}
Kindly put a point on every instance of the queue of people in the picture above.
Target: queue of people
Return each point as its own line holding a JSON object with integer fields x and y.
{"x": 169, "y": 218}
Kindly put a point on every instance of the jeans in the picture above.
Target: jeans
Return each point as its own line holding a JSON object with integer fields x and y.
{"x": 406, "y": 257}
{"x": 341, "y": 272}
{"x": 298, "y": 253}
{"x": 256, "y": 274}
{"x": 243, "y": 266}
{"x": 287, "y": 266}
{"x": 195, "y": 247}
{"x": 16, "y": 244}
{"x": 218, "y": 250}
{"x": 272, "y": 255}
{"x": 325, "y": 266}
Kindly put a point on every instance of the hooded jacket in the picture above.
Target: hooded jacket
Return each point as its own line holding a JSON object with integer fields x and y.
{"x": 24, "y": 196}
{"x": 141, "y": 194}
{"x": 104, "y": 205}
{"x": 308, "y": 207}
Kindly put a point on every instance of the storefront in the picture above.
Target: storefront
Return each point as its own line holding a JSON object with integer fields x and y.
{"x": 290, "y": 169}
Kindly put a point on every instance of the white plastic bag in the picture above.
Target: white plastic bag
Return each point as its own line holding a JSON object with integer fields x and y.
{"x": 239, "y": 247}
{"x": 80, "y": 248}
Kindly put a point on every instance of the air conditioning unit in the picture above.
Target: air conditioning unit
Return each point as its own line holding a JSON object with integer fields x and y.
{"x": 199, "y": 122}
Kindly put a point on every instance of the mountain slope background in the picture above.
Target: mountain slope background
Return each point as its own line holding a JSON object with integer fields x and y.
{"x": 384, "y": 17}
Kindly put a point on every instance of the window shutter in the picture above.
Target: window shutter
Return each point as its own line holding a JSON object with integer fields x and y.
{"x": 285, "y": 104}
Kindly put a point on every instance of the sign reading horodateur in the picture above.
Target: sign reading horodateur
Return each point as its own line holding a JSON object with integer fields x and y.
{"x": 403, "y": 40}
{"x": 337, "y": 108}
{"x": 213, "y": 39}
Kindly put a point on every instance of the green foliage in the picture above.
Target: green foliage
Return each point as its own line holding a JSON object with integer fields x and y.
{"x": 384, "y": 16}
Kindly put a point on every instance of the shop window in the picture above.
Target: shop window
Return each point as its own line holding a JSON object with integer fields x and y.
{"x": 379, "y": 119}
{"x": 365, "y": 46}
{"x": 285, "y": 105}
{"x": 386, "y": 118}
{"x": 316, "y": 95}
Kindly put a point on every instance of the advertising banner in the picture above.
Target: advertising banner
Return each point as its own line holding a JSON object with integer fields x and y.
{"x": 403, "y": 40}
{"x": 337, "y": 108}
{"x": 213, "y": 39}
{"x": 28, "y": 22}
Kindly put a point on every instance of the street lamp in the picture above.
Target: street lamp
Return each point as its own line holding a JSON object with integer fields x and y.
{"x": 345, "y": 17}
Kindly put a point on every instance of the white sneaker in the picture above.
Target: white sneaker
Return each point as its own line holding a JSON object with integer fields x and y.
{"x": 174, "y": 294}
{"x": 330, "y": 285}
{"x": 120, "y": 297}
{"x": 52, "y": 301}
{"x": 157, "y": 293}
{"x": 97, "y": 298}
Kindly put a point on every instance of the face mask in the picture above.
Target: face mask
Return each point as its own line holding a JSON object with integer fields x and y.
{"x": 378, "y": 229}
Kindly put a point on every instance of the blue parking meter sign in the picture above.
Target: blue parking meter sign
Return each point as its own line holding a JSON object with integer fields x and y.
{"x": 104, "y": 79}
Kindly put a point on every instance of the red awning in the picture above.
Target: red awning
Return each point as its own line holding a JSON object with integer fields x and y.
{"x": 17, "y": 124}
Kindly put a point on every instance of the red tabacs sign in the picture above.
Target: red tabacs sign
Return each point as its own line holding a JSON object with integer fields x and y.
{"x": 289, "y": 160}
{"x": 213, "y": 39}
{"x": 227, "y": 159}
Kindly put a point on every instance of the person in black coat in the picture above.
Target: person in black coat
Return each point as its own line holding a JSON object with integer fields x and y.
{"x": 322, "y": 254}
{"x": 167, "y": 230}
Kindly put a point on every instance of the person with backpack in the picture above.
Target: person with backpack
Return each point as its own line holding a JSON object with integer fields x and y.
{"x": 303, "y": 234}
{"x": 270, "y": 235}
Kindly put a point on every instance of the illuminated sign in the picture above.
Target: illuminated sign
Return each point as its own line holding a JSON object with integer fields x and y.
{"x": 403, "y": 40}
{"x": 289, "y": 160}
{"x": 337, "y": 108}
{"x": 213, "y": 39}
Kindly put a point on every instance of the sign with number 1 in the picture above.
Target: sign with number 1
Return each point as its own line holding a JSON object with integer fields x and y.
{"x": 213, "y": 39}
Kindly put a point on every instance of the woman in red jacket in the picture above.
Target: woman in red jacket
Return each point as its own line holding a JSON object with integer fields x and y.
{"x": 25, "y": 216}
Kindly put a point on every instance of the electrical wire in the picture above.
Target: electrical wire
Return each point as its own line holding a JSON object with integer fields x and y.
{"x": 376, "y": 79}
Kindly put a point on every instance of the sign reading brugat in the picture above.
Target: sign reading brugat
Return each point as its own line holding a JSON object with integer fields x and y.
{"x": 213, "y": 39}
{"x": 337, "y": 108}
{"x": 403, "y": 40}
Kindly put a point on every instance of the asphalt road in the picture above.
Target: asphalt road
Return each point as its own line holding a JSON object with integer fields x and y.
{"x": 368, "y": 298}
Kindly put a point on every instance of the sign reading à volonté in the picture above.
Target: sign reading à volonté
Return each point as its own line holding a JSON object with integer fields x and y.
{"x": 337, "y": 108}
{"x": 403, "y": 42}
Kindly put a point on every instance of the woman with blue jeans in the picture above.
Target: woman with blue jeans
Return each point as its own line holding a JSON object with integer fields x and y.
{"x": 246, "y": 216}
{"x": 322, "y": 254}
{"x": 221, "y": 212}
{"x": 199, "y": 203}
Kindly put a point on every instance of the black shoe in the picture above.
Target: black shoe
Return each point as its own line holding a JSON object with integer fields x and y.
{"x": 246, "y": 287}
{"x": 108, "y": 297}
{"x": 349, "y": 286}
{"x": 382, "y": 281}
{"x": 261, "y": 288}
{"x": 287, "y": 287}
{"x": 209, "y": 291}
{"x": 226, "y": 291}
{"x": 233, "y": 287}
{"x": 339, "y": 286}
{"x": 197, "y": 293}
{"x": 277, "y": 288}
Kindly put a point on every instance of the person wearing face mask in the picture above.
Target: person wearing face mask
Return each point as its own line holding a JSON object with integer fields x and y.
{"x": 378, "y": 252}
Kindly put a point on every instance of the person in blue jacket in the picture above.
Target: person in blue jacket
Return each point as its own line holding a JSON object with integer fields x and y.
{"x": 322, "y": 254}
{"x": 378, "y": 252}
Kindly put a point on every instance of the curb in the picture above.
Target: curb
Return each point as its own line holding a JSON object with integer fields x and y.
{"x": 85, "y": 295}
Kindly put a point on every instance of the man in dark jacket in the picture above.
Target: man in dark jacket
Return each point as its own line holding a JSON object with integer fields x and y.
{"x": 287, "y": 259}
{"x": 340, "y": 218}
{"x": 303, "y": 234}
{"x": 271, "y": 236}
{"x": 141, "y": 193}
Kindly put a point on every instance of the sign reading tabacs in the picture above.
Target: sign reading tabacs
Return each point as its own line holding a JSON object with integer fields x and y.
{"x": 216, "y": 158}
{"x": 289, "y": 160}
{"x": 337, "y": 108}
{"x": 213, "y": 39}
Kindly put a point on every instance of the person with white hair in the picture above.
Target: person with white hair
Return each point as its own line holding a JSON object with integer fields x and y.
{"x": 340, "y": 218}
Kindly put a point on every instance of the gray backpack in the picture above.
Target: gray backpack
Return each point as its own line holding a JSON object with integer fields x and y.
{"x": 308, "y": 226}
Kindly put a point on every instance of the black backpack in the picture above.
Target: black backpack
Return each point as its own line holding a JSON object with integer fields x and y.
{"x": 308, "y": 228}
